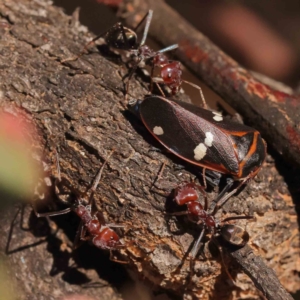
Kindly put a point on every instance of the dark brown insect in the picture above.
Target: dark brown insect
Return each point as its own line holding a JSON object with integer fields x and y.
{"x": 204, "y": 138}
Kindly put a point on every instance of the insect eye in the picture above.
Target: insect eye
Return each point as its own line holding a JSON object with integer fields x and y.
{"x": 131, "y": 38}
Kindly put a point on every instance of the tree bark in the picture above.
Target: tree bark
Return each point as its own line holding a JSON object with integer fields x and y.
{"x": 78, "y": 108}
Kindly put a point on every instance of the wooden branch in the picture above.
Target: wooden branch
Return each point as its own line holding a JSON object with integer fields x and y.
{"x": 272, "y": 111}
{"x": 78, "y": 110}
{"x": 263, "y": 277}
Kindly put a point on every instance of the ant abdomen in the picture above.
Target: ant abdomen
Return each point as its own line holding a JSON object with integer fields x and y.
{"x": 107, "y": 239}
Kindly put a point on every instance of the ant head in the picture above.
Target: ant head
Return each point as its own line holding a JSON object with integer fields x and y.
{"x": 83, "y": 212}
{"x": 121, "y": 37}
{"x": 234, "y": 235}
{"x": 171, "y": 73}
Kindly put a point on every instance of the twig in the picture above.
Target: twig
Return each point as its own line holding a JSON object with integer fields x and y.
{"x": 262, "y": 276}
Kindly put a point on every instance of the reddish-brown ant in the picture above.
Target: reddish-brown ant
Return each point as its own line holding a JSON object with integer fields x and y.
{"x": 101, "y": 234}
{"x": 171, "y": 75}
{"x": 188, "y": 194}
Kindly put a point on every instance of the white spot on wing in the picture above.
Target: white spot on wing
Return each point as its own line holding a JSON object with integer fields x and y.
{"x": 217, "y": 116}
{"x": 157, "y": 130}
{"x": 209, "y": 139}
{"x": 200, "y": 151}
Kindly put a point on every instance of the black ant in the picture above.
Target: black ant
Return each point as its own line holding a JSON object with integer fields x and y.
{"x": 101, "y": 234}
{"x": 123, "y": 38}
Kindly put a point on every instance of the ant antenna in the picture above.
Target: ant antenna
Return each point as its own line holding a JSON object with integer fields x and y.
{"x": 98, "y": 177}
{"x": 147, "y": 25}
{"x": 57, "y": 165}
{"x": 169, "y": 48}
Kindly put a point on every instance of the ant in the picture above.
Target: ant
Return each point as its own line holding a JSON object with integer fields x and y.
{"x": 123, "y": 38}
{"x": 171, "y": 76}
{"x": 188, "y": 194}
{"x": 101, "y": 234}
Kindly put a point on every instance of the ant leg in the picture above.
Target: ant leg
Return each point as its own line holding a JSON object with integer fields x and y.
{"x": 111, "y": 257}
{"x": 11, "y": 228}
{"x": 129, "y": 77}
{"x": 224, "y": 265}
{"x": 85, "y": 48}
{"x": 196, "y": 246}
{"x": 151, "y": 80}
{"x": 51, "y": 214}
{"x": 112, "y": 225}
{"x": 162, "y": 168}
{"x": 204, "y": 178}
{"x": 238, "y": 218}
{"x": 100, "y": 216}
{"x": 80, "y": 236}
{"x": 205, "y": 202}
{"x": 160, "y": 89}
{"x": 224, "y": 199}
{"x": 179, "y": 213}
{"x": 214, "y": 206}
{"x": 99, "y": 175}
{"x": 148, "y": 18}
{"x": 92, "y": 42}
{"x": 158, "y": 80}
{"x": 200, "y": 91}
{"x": 194, "y": 252}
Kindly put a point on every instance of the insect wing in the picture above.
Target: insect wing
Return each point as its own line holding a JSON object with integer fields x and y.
{"x": 189, "y": 132}
{"x": 249, "y": 146}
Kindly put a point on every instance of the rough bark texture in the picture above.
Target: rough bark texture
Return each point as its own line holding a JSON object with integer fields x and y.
{"x": 78, "y": 109}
